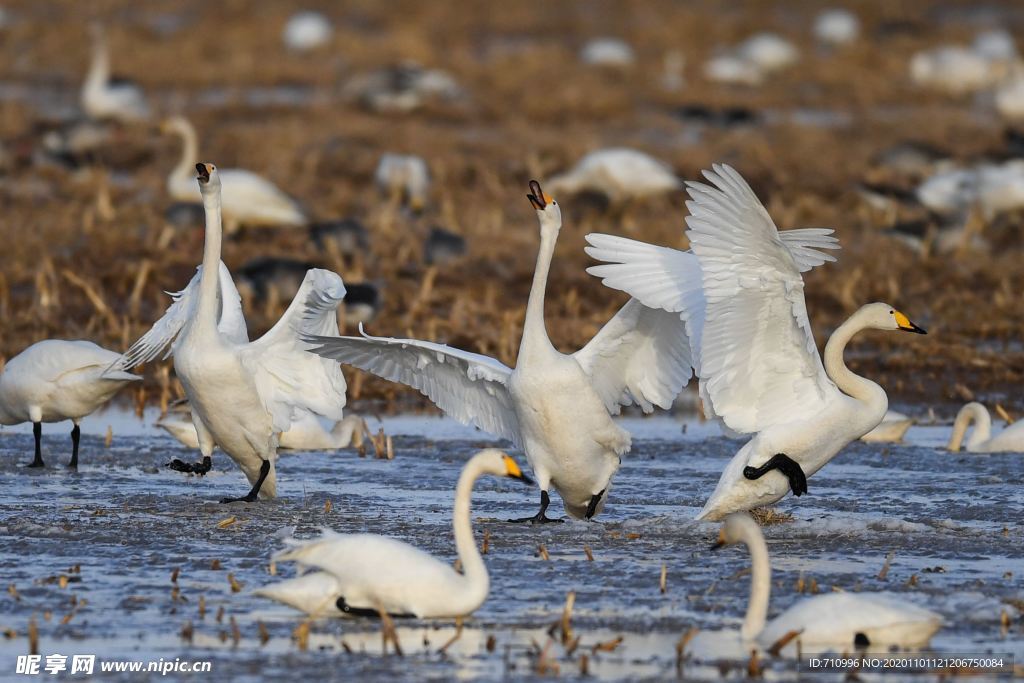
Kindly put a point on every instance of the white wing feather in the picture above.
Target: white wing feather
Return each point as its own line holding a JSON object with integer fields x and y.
{"x": 288, "y": 378}
{"x": 640, "y": 356}
{"x": 759, "y": 362}
{"x": 156, "y": 343}
{"x": 469, "y": 387}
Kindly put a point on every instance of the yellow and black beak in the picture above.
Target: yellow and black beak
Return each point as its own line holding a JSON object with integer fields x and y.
{"x": 204, "y": 173}
{"x": 512, "y": 470}
{"x": 537, "y": 196}
{"x": 720, "y": 543}
{"x": 904, "y": 324}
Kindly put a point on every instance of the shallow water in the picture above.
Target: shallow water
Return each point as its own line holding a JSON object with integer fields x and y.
{"x": 953, "y": 522}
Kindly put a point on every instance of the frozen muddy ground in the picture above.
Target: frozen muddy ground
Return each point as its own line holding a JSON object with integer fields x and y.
{"x": 953, "y": 523}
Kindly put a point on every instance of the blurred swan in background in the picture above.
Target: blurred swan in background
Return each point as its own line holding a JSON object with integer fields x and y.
{"x": 307, "y": 30}
{"x": 891, "y": 429}
{"x": 607, "y": 52}
{"x": 245, "y": 394}
{"x": 732, "y": 69}
{"x": 376, "y": 574}
{"x": 1011, "y": 439}
{"x": 619, "y": 174}
{"x": 104, "y": 97}
{"x": 957, "y": 70}
{"x": 846, "y": 620}
{"x": 56, "y": 380}
{"x": 760, "y": 371}
{"x": 556, "y": 407}
{"x": 769, "y": 52}
{"x": 305, "y": 434}
{"x": 404, "y": 177}
{"x": 836, "y": 27}
{"x": 991, "y": 188}
{"x": 248, "y": 199}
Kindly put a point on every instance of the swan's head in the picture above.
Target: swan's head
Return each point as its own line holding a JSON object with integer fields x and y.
{"x": 737, "y": 528}
{"x": 547, "y": 208}
{"x": 500, "y": 464}
{"x": 209, "y": 179}
{"x": 884, "y": 317}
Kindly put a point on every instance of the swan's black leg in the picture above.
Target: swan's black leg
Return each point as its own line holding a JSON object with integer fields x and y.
{"x": 592, "y": 505}
{"x": 199, "y": 468}
{"x": 251, "y": 496}
{"x": 37, "y": 431}
{"x": 540, "y": 517}
{"x": 76, "y": 436}
{"x": 785, "y": 464}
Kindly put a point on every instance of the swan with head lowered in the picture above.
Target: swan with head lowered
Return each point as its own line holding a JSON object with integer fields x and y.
{"x": 56, "y": 380}
{"x": 247, "y": 199}
{"x": 245, "y": 394}
{"x": 557, "y": 407}
{"x": 834, "y": 620}
{"x": 981, "y": 440}
{"x": 106, "y": 98}
{"x": 742, "y": 296}
{"x": 373, "y": 574}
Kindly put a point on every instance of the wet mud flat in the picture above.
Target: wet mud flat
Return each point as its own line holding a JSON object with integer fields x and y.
{"x": 128, "y": 560}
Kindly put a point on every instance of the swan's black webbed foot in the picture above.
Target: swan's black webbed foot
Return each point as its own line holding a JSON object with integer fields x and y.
{"x": 785, "y": 464}
{"x": 255, "y": 492}
{"x": 592, "y": 505}
{"x": 540, "y": 517}
{"x": 199, "y": 468}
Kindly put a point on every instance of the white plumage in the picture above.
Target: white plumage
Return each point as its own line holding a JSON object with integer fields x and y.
{"x": 891, "y": 429}
{"x": 556, "y": 407}
{"x": 837, "y": 27}
{"x": 245, "y": 394}
{"x": 247, "y": 198}
{"x": 56, "y": 380}
{"x": 1011, "y": 439}
{"x": 377, "y": 573}
{"x": 103, "y": 98}
{"x": 620, "y": 174}
{"x": 306, "y": 31}
{"x": 404, "y": 176}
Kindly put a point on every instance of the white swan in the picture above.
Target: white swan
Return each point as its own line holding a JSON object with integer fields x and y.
{"x": 315, "y": 593}
{"x": 608, "y": 52}
{"x": 759, "y": 368}
{"x": 306, "y": 30}
{"x": 732, "y": 69}
{"x": 556, "y": 407}
{"x": 953, "y": 69}
{"x": 103, "y": 98}
{"x": 305, "y": 434}
{"x": 770, "y": 52}
{"x": 842, "y": 620}
{"x": 248, "y": 199}
{"x": 891, "y": 429}
{"x": 981, "y": 440}
{"x": 379, "y": 573}
{"x": 619, "y": 174}
{"x": 404, "y": 176}
{"x": 56, "y": 380}
{"x": 837, "y": 27}
{"x": 244, "y": 394}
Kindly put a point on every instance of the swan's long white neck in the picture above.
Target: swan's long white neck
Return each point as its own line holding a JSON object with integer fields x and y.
{"x": 209, "y": 287}
{"x": 760, "y": 582}
{"x": 348, "y": 431}
{"x": 99, "y": 68}
{"x": 982, "y": 426}
{"x": 853, "y": 385}
{"x": 183, "y": 173}
{"x": 474, "y": 570}
{"x": 535, "y": 341}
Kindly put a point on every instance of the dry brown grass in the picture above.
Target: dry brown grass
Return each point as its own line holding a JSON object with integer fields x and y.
{"x": 76, "y": 253}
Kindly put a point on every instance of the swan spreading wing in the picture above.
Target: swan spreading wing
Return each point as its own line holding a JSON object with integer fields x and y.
{"x": 469, "y": 387}
{"x": 290, "y": 380}
{"x": 640, "y": 356}
{"x": 156, "y": 343}
{"x": 759, "y": 362}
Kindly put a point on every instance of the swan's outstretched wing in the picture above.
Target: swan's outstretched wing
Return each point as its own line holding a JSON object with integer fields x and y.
{"x": 288, "y": 378}
{"x": 469, "y": 387}
{"x": 804, "y": 245}
{"x": 640, "y": 356}
{"x": 759, "y": 363}
{"x": 158, "y": 339}
{"x": 658, "y": 277}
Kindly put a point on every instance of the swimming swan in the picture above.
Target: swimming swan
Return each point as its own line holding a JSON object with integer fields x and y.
{"x": 106, "y": 98}
{"x": 981, "y": 440}
{"x": 379, "y": 573}
{"x": 55, "y": 380}
{"x": 556, "y": 407}
{"x": 245, "y": 394}
{"x": 891, "y": 429}
{"x": 248, "y": 199}
{"x": 759, "y": 368}
{"x": 844, "y": 620}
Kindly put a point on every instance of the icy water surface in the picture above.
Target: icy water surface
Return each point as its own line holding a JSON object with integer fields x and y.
{"x": 123, "y": 525}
